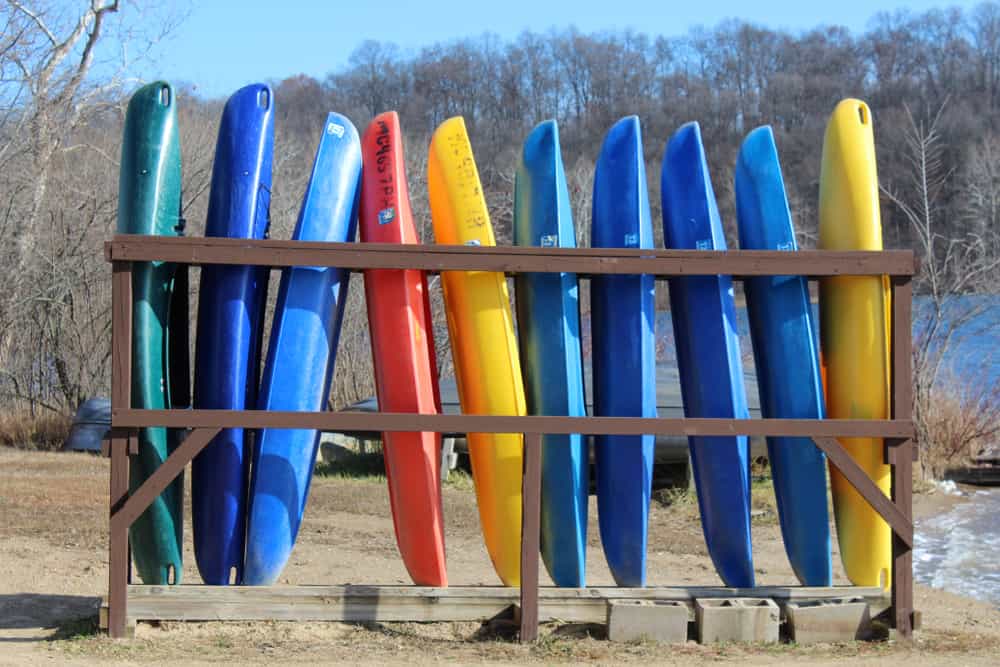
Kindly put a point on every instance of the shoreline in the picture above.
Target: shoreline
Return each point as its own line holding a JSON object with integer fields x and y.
{"x": 931, "y": 501}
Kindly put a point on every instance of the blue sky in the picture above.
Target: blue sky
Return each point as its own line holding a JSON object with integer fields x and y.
{"x": 222, "y": 45}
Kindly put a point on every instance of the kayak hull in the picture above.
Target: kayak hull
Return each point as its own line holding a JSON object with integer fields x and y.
{"x": 548, "y": 319}
{"x": 481, "y": 331}
{"x": 300, "y": 359}
{"x": 854, "y": 334}
{"x": 402, "y": 341}
{"x": 703, "y": 312}
{"x": 785, "y": 344}
{"x": 230, "y": 320}
{"x": 149, "y": 203}
{"x": 624, "y": 353}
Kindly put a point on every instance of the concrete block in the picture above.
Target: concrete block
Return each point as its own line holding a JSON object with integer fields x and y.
{"x": 656, "y": 620}
{"x": 829, "y": 620}
{"x": 736, "y": 620}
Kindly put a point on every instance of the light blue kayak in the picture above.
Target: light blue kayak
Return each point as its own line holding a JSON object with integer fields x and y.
{"x": 548, "y": 325}
{"x": 300, "y": 355}
{"x": 624, "y": 352}
{"x": 783, "y": 331}
{"x": 708, "y": 357}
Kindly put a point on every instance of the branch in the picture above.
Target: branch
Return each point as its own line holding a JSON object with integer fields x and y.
{"x": 100, "y": 11}
{"x": 59, "y": 52}
{"x": 36, "y": 19}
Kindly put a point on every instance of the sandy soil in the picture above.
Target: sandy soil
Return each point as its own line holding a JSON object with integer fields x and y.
{"x": 53, "y": 570}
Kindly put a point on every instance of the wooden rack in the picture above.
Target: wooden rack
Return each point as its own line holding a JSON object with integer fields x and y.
{"x": 416, "y": 603}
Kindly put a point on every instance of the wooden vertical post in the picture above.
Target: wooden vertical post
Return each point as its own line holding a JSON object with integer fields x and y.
{"x": 531, "y": 492}
{"x": 118, "y": 553}
{"x": 900, "y": 452}
{"x": 121, "y": 336}
{"x": 121, "y": 445}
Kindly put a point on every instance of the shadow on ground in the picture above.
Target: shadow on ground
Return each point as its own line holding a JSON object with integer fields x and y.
{"x": 68, "y": 615}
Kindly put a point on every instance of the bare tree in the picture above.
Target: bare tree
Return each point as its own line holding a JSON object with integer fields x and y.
{"x": 59, "y": 142}
{"x": 952, "y": 265}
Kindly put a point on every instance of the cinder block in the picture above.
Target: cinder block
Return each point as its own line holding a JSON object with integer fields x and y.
{"x": 830, "y": 620}
{"x": 656, "y": 620}
{"x": 736, "y": 620}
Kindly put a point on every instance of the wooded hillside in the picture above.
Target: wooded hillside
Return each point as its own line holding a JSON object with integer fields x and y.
{"x": 932, "y": 81}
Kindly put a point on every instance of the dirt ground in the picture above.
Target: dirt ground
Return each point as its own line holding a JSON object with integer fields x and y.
{"x": 53, "y": 570}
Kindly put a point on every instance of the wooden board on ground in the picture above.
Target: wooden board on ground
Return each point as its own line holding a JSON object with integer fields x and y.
{"x": 358, "y": 603}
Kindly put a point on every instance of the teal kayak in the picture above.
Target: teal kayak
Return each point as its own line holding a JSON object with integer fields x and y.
{"x": 149, "y": 200}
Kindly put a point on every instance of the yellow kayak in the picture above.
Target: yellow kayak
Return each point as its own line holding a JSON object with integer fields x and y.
{"x": 854, "y": 333}
{"x": 483, "y": 346}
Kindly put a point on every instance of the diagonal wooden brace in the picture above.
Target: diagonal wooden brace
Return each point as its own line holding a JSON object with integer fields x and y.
{"x": 162, "y": 477}
{"x": 864, "y": 485}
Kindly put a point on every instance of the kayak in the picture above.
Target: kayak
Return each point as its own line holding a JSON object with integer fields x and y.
{"x": 231, "y": 305}
{"x": 854, "y": 334}
{"x": 548, "y": 325}
{"x": 149, "y": 202}
{"x": 300, "y": 356}
{"x": 402, "y": 341}
{"x": 624, "y": 353}
{"x": 483, "y": 346}
{"x": 708, "y": 358}
{"x": 785, "y": 348}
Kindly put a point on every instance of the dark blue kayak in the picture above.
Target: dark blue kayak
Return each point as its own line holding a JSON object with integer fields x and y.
{"x": 783, "y": 331}
{"x": 548, "y": 326}
{"x": 300, "y": 355}
{"x": 230, "y": 321}
{"x": 708, "y": 357}
{"x": 624, "y": 352}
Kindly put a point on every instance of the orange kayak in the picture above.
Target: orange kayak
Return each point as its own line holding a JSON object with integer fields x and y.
{"x": 402, "y": 343}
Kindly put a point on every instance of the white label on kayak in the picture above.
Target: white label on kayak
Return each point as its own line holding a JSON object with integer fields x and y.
{"x": 549, "y": 241}
{"x": 786, "y": 246}
{"x": 386, "y": 215}
{"x": 704, "y": 244}
{"x": 631, "y": 240}
{"x": 336, "y": 130}
{"x": 473, "y": 242}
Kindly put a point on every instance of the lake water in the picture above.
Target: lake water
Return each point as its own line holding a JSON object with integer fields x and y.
{"x": 959, "y": 550}
{"x": 974, "y": 349}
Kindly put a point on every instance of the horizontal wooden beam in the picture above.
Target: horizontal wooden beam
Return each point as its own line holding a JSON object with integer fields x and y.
{"x": 405, "y": 422}
{"x": 508, "y": 259}
{"x": 421, "y": 604}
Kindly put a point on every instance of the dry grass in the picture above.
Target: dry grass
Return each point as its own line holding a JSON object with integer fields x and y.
{"x": 960, "y": 419}
{"x": 47, "y": 431}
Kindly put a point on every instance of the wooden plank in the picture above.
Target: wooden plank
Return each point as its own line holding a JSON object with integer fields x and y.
{"x": 855, "y": 474}
{"x": 422, "y": 604}
{"x": 531, "y": 493}
{"x": 162, "y": 477}
{"x": 388, "y": 421}
{"x": 582, "y": 261}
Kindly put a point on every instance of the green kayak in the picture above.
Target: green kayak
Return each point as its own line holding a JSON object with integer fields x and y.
{"x": 149, "y": 200}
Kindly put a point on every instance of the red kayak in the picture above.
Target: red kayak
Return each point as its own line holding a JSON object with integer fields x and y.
{"x": 399, "y": 319}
